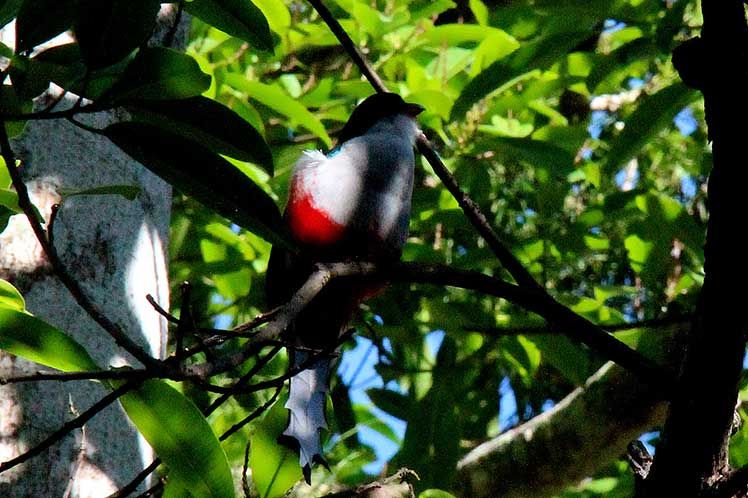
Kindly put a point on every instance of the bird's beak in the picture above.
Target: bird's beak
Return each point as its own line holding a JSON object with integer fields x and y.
{"x": 413, "y": 110}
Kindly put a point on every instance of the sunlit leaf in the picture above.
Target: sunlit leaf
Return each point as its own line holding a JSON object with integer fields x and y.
{"x": 181, "y": 437}
{"x": 536, "y": 55}
{"x": 274, "y": 98}
{"x": 31, "y": 338}
{"x": 10, "y": 297}
{"x": 275, "y": 468}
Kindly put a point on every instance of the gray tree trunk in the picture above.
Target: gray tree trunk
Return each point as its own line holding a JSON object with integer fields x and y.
{"x": 116, "y": 248}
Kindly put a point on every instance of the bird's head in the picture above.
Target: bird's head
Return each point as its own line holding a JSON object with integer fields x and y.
{"x": 374, "y": 109}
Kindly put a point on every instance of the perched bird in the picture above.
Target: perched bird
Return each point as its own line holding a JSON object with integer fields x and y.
{"x": 351, "y": 204}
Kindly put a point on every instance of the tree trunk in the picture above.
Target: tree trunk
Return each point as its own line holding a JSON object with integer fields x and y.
{"x": 116, "y": 248}
{"x": 693, "y": 455}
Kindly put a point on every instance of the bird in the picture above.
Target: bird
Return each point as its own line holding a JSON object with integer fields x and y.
{"x": 352, "y": 203}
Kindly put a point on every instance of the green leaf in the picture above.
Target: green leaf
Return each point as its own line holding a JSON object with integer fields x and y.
{"x": 29, "y": 337}
{"x": 653, "y": 113}
{"x": 201, "y": 174}
{"x": 455, "y": 34}
{"x": 537, "y": 55}
{"x": 41, "y": 20}
{"x": 10, "y": 297}
{"x": 5, "y": 180}
{"x": 129, "y": 192}
{"x": 275, "y": 468}
{"x": 9, "y": 200}
{"x": 535, "y": 152}
{"x": 276, "y": 13}
{"x": 602, "y": 486}
{"x": 274, "y": 98}
{"x": 565, "y": 356}
{"x": 435, "y": 493}
{"x": 480, "y": 11}
{"x": 107, "y": 31}
{"x": 619, "y": 59}
{"x": 210, "y": 123}
{"x": 239, "y": 18}
{"x": 432, "y": 8}
{"x": 181, "y": 437}
{"x": 158, "y": 73}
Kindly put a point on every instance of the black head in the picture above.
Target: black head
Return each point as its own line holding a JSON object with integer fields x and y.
{"x": 374, "y": 108}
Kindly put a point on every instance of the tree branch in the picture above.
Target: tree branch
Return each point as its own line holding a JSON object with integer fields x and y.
{"x": 589, "y": 428}
{"x": 575, "y": 326}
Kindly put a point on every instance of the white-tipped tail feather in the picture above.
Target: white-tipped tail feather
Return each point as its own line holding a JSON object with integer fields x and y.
{"x": 306, "y": 404}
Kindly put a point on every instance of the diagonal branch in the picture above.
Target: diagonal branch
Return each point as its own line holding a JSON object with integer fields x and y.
{"x": 575, "y": 326}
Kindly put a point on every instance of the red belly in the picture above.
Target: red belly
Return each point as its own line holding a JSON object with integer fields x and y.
{"x": 308, "y": 224}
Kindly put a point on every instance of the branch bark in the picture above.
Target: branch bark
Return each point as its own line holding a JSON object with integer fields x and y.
{"x": 588, "y": 429}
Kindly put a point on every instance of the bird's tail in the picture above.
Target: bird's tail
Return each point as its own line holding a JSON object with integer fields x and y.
{"x": 306, "y": 405}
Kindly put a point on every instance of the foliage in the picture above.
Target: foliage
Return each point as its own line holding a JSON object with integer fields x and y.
{"x": 605, "y": 208}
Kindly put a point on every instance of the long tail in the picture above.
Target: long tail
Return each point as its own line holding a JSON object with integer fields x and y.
{"x": 306, "y": 405}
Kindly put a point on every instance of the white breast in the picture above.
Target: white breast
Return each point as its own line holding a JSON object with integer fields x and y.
{"x": 367, "y": 185}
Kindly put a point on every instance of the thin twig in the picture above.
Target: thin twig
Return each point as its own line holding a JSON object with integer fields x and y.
{"x": 349, "y": 46}
{"x": 44, "y": 115}
{"x": 256, "y": 413}
{"x": 545, "y": 329}
{"x": 120, "y": 374}
{"x": 168, "y": 316}
{"x": 70, "y": 425}
{"x": 131, "y": 486}
{"x": 476, "y": 217}
{"x": 24, "y": 202}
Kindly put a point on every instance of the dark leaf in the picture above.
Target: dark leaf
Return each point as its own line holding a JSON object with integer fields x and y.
{"x": 394, "y": 403}
{"x": 653, "y": 113}
{"x": 202, "y": 174}
{"x": 41, "y": 20}
{"x": 8, "y": 10}
{"x": 31, "y": 77}
{"x": 345, "y": 418}
{"x": 158, "y": 73}
{"x": 209, "y": 123}
{"x": 129, "y": 192}
{"x": 240, "y": 18}
{"x": 109, "y": 30}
